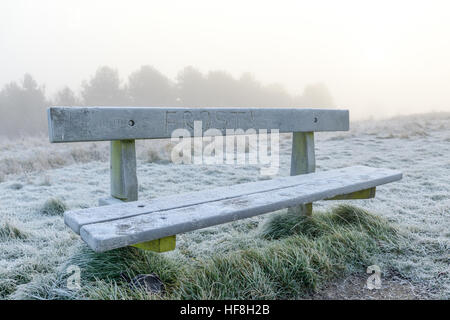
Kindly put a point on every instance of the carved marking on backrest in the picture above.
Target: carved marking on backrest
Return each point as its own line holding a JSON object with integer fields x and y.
{"x": 210, "y": 119}
{"x": 71, "y": 124}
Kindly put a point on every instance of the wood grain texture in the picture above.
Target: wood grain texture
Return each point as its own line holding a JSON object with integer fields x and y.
{"x": 72, "y": 124}
{"x": 75, "y": 219}
{"x": 137, "y": 222}
{"x": 157, "y": 245}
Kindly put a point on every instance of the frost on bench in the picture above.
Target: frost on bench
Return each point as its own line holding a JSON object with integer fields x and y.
{"x": 73, "y": 124}
{"x": 153, "y": 225}
{"x": 109, "y": 227}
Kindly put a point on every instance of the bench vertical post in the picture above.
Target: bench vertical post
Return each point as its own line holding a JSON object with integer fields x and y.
{"x": 124, "y": 184}
{"x": 303, "y": 160}
{"x": 124, "y": 187}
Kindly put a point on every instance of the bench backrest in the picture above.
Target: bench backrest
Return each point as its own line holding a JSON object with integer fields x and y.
{"x": 123, "y": 125}
{"x": 75, "y": 124}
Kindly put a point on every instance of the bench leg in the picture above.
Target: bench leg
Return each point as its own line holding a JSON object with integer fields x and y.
{"x": 303, "y": 209}
{"x": 303, "y": 160}
{"x": 362, "y": 194}
{"x": 124, "y": 187}
{"x": 158, "y": 245}
{"x": 124, "y": 184}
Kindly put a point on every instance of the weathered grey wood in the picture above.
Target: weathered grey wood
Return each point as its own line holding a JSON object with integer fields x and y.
{"x": 157, "y": 245}
{"x": 77, "y": 218}
{"x": 303, "y": 160}
{"x": 71, "y": 124}
{"x": 146, "y": 222}
{"x": 124, "y": 184}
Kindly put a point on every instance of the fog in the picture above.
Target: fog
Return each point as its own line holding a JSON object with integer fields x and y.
{"x": 378, "y": 58}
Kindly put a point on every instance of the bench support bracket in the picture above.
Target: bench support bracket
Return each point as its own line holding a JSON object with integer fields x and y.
{"x": 158, "y": 245}
{"x": 362, "y": 194}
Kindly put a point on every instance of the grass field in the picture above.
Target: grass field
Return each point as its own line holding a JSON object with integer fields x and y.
{"x": 405, "y": 229}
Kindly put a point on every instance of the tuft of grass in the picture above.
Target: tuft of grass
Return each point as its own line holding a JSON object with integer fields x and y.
{"x": 113, "y": 290}
{"x": 341, "y": 216}
{"x": 9, "y": 231}
{"x": 287, "y": 224}
{"x": 16, "y": 186}
{"x": 38, "y": 289}
{"x": 104, "y": 275}
{"x": 7, "y": 286}
{"x": 53, "y": 207}
{"x": 127, "y": 261}
{"x": 310, "y": 251}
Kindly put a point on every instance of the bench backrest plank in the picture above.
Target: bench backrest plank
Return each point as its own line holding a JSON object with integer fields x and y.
{"x": 75, "y": 124}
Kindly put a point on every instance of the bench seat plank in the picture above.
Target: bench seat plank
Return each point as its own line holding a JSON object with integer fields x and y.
{"x": 75, "y": 124}
{"x": 138, "y": 224}
{"x": 77, "y": 218}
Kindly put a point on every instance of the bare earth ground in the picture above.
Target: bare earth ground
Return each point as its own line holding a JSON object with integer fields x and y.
{"x": 33, "y": 171}
{"x": 355, "y": 288}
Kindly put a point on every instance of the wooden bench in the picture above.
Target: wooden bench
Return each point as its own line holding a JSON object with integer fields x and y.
{"x": 122, "y": 220}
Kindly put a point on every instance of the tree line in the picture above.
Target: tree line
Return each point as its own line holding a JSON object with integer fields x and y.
{"x": 23, "y": 104}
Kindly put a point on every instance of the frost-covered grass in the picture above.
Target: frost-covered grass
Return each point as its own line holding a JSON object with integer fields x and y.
{"x": 36, "y": 154}
{"x": 294, "y": 265}
{"x": 34, "y": 172}
{"x": 318, "y": 249}
{"x": 9, "y": 231}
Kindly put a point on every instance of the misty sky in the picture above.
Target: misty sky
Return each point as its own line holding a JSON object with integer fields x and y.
{"x": 378, "y": 58}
